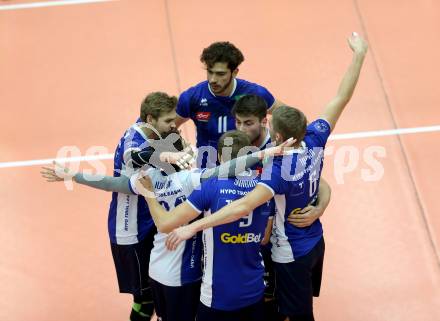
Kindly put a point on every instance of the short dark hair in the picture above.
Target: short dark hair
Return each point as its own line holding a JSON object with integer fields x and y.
{"x": 156, "y": 104}
{"x": 289, "y": 122}
{"x": 250, "y": 105}
{"x": 237, "y": 141}
{"x": 222, "y": 52}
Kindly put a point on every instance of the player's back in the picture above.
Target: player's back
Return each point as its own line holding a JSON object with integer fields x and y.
{"x": 233, "y": 268}
{"x": 294, "y": 180}
{"x": 183, "y": 265}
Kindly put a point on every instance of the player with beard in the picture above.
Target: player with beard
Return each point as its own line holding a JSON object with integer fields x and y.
{"x": 250, "y": 113}
{"x": 293, "y": 181}
{"x": 175, "y": 275}
{"x": 209, "y": 103}
{"x": 130, "y": 226}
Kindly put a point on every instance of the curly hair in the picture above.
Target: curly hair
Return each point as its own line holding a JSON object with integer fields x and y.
{"x": 222, "y": 52}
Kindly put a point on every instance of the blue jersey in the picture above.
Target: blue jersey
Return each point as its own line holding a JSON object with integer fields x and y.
{"x": 294, "y": 181}
{"x": 233, "y": 267}
{"x": 265, "y": 144}
{"x": 129, "y": 219}
{"x": 259, "y": 168}
{"x": 212, "y": 114}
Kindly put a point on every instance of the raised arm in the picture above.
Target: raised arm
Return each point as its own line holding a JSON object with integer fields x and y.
{"x": 180, "y": 121}
{"x": 336, "y": 106}
{"x": 277, "y": 103}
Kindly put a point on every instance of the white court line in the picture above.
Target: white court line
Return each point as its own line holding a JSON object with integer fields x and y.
{"x": 48, "y": 161}
{"x": 48, "y": 4}
{"x": 374, "y": 133}
{"x": 387, "y": 132}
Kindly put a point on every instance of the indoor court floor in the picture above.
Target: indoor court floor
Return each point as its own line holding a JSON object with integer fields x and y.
{"x": 73, "y": 74}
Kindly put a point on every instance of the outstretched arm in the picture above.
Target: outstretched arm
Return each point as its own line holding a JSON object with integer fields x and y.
{"x": 106, "y": 183}
{"x": 60, "y": 173}
{"x": 183, "y": 159}
{"x": 336, "y": 106}
{"x": 229, "y": 168}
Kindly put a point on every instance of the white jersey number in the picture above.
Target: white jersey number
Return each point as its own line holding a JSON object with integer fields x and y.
{"x": 247, "y": 219}
{"x": 222, "y": 124}
{"x": 313, "y": 182}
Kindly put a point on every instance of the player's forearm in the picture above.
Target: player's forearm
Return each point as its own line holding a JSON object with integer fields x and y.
{"x": 277, "y": 103}
{"x": 336, "y": 106}
{"x": 233, "y": 167}
{"x": 165, "y": 221}
{"x": 235, "y": 210}
{"x": 105, "y": 183}
{"x": 145, "y": 157}
{"x": 348, "y": 83}
{"x": 267, "y": 231}
{"x": 324, "y": 195}
{"x": 180, "y": 121}
{"x": 160, "y": 216}
{"x": 227, "y": 214}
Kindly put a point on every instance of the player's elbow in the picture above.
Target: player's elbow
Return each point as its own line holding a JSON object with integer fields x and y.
{"x": 343, "y": 98}
{"x": 166, "y": 228}
{"x": 265, "y": 240}
{"x": 161, "y": 226}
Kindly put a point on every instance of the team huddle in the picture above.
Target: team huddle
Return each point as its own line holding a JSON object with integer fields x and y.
{"x": 229, "y": 229}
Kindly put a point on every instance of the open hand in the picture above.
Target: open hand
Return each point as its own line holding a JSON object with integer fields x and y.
{"x": 145, "y": 186}
{"x": 179, "y": 235}
{"x": 57, "y": 173}
{"x": 278, "y": 150}
{"x": 305, "y": 217}
{"x": 357, "y": 43}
